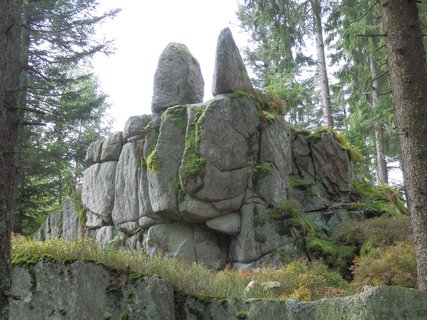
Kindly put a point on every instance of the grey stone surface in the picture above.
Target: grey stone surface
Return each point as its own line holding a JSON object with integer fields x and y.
{"x": 55, "y": 225}
{"x": 332, "y": 164}
{"x": 223, "y": 185}
{"x": 165, "y": 160}
{"x": 185, "y": 241}
{"x": 228, "y": 224}
{"x": 178, "y": 79}
{"x": 87, "y": 291}
{"x": 228, "y": 123}
{"x": 258, "y": 235}
{"x": 98, "y": 189}
{"x": 275, "y": 153}
{"x": 93, "y": 221}
{"x": 230, "y": 72}
{"x": 309, "y": 197}
{"x": 71, "y": 226}
{"x": 146, "y": 222}
{"x": 302, "y": 158}
{"x": 194, "y": 210}
{"x": 83, "y": 290}
{"x": 112, "y": 147}
{"x": 126, "y": 206}
{"x": 134, "y": 126}
{"x": 150, "y": 141}
{"x": 276, "y": 258}
{"x": 104, "y": 235}
{"x": 93, "y": 152}
{"x": 135, "y": 241}
{"x": 378, "y": 303}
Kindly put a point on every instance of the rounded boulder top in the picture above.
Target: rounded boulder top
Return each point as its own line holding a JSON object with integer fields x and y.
{"x": 178, "y": 79}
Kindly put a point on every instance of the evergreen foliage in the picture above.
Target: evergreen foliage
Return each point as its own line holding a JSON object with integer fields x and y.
{"x": 61, "y": 108}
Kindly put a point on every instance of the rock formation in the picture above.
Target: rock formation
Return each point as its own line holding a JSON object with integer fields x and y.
{"x": 230, "y": 72}
{"x": 178, "y": 79}
{"x": 221, "y": 182}
{"x": 83, "y": 290}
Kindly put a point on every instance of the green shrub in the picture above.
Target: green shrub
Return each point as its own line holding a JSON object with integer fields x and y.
{"x": 375, "y": 232}
{"x": 377, "y": 200}
{"x": 394, "y": 265}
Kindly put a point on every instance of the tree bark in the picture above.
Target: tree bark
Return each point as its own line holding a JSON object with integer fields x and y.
{"x": 321, "y": 64}
{"x": 22, "y": 104}
{"x": 408, "y": 82}
{"x": 382, "y": 174}
{"x": 10, "y": 41}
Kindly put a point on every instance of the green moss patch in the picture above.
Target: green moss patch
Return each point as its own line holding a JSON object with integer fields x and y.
{"x": 300, "y": 184}
{"x": 353, "y": 152}
{"x": 287, "y": 213}
{"x": 194, "y": 164}
{"x": 377, "y": 200}
{"x": 153, "y": 161}
{"x": 270, "y": 106}
{"x": 265, "y": 168}
{"x": 177, "y": 115}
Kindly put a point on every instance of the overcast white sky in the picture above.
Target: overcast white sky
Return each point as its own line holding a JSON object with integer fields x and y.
{"x": 141, "y": 32}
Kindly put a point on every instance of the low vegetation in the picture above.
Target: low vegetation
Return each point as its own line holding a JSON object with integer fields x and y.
{"x": 381, "y": 250}
{"x": 299, "y": 279}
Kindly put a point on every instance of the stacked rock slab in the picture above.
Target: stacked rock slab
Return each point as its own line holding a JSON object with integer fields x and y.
{"x": 198, "y": 180}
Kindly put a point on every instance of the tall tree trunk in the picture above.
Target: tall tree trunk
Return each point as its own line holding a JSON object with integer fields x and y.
{"x": 10, "y": 41}
{"x": 22, "y": 103}
{"x": 382, "y": 174}
{"x": 321, "y": 64}
{"x": 408, "y": 82}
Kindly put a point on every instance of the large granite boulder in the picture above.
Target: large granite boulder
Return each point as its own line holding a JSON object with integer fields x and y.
{"x": 275, "y": 164}
{"x": 71, "y": 225}
{"x": 331, "y": 164}
{"x": 218, "y": 156}
{"x": 126, "y": 207}
{"x": 230, "y": 72}
{"x": 98, "y": 189}
{"x": 178, "y": 79}
{"x": 112, "y": 147}
{"x": 164, "y": 161}
{"x": 259, "y": 234}
{"x": 134, "y": 126}
{"x": 185, "y": 241}
{"x": 93, "y": 152}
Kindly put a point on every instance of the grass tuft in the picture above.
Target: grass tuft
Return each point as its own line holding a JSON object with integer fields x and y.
{"x": 188, "y": 277}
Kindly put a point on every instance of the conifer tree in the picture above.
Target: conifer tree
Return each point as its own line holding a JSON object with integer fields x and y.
{"x": 10, "y": 36}
{"x": 58, "y": 39}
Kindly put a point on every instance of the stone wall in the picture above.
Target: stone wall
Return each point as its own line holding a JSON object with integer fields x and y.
{"x": 88, "y": 291}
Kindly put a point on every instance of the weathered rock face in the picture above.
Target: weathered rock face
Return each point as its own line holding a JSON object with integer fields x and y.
{"x": 376, "y": 303}
{"x": 87, "y": 291}
{"x": 199, "y": 180}
{"x": 178, "y": 79}
{"x": 64, "y": 224}
{"x": 84, "y": 290}
{"x": 213, "y": 171}
{"x": 230, "y": 72}
{"x": 98, "y": 189}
